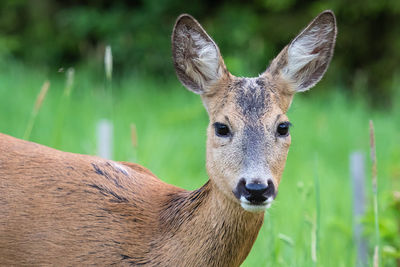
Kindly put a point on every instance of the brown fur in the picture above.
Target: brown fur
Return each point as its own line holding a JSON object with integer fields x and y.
{"x": 69, "y": 209}
{"x": 59, "y": 208}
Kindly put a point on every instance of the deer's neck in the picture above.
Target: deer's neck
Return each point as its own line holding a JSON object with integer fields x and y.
{"x": 204, "y": 228}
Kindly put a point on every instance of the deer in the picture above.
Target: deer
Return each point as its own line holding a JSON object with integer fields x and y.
{"x": 60, "y": 208}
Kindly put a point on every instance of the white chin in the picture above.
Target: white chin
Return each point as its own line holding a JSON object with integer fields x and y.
{"x": 255, "y": 208}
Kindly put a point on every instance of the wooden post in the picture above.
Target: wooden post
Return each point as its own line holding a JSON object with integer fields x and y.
{"x": 105, "y": 139}
{"x": 357, "y": 170}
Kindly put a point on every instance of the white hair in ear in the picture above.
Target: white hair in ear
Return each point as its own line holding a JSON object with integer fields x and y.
{"x": 202, "y": 65}
{"x": 309, "y": 54}
{"x": 197, "y": 60}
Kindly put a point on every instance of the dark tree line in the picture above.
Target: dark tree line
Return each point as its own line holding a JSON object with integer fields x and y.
{"x": 249, "y": 33}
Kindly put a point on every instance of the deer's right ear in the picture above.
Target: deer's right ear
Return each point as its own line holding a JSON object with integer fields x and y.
{"x": 197, "y": 59}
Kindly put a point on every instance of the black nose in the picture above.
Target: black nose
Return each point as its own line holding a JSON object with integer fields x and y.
{"x": 255, "y": 192}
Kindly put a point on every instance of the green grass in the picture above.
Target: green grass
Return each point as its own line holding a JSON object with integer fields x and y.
{"x": 171, "y": 128}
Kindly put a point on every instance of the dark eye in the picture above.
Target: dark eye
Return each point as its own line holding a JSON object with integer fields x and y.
{"x": 221, "y": 130}
{"x": 283, "y": 128}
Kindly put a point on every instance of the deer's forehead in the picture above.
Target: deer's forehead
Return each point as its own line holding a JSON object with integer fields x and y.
{"x": 251, "y": 99}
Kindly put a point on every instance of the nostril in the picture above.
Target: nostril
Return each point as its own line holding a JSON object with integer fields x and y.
{"x": 256, "y": 192}
{"x": 240, "y": 189}
{"x": 271, "y": 189}
{"x": 256, "y": 189}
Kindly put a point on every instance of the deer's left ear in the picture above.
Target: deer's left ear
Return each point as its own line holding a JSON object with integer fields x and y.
{"x": 304, "y": 61}
{"x": 197, "y": 60}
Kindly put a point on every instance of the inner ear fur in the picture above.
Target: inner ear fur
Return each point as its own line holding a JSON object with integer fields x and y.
{"x": 197, "y": 60}
{"x": 305, "y": 60}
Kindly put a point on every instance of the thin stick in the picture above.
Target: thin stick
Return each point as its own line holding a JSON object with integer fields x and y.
{"x": 38, "y": 104}
{"x": 375, "y": 191}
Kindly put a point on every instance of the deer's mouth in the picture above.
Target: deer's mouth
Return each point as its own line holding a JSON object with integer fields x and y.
{"x": 253, "y": 206}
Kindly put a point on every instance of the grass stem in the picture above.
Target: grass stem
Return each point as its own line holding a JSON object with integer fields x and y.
{"x": 38, "y": 104}
{"x": 374, "y": 191}
{"x": 64, "y": 104}
{"x": 316, "y": 222}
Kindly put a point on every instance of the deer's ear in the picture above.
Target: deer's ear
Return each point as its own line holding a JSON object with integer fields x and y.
{"x": 304, "y": 61}
{"x": 197, "y": 59}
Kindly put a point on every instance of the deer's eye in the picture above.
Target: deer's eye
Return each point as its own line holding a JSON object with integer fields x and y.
{"x": 222, "y": 130}
{"x": 283, "y": 129}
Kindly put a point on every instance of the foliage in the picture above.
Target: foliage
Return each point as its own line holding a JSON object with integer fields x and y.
{"x": 250, "y": 33}
{"x": 171, "y": 126}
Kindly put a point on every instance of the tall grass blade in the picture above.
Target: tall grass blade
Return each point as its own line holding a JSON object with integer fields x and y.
{"x": 108, "y": 68}
{"x": 374, "y": 191}
{"x": 314, "y": 243}
{"x": 134, "y": 135}
{"x": 286, "y": 239}
{"x": 108, "y": 63}
{"x": 69, "y": 82}
{"x": 64, "y": 104}
{"x": 38, "y": 104}
{"x": 316, "y": 222}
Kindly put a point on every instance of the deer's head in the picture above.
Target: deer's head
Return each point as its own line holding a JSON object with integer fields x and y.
{"x": 248, "y": 135}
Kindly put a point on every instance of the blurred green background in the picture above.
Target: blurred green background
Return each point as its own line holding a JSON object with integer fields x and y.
{"x": 249, "y": 33}
{"x": 41, "y": 39}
